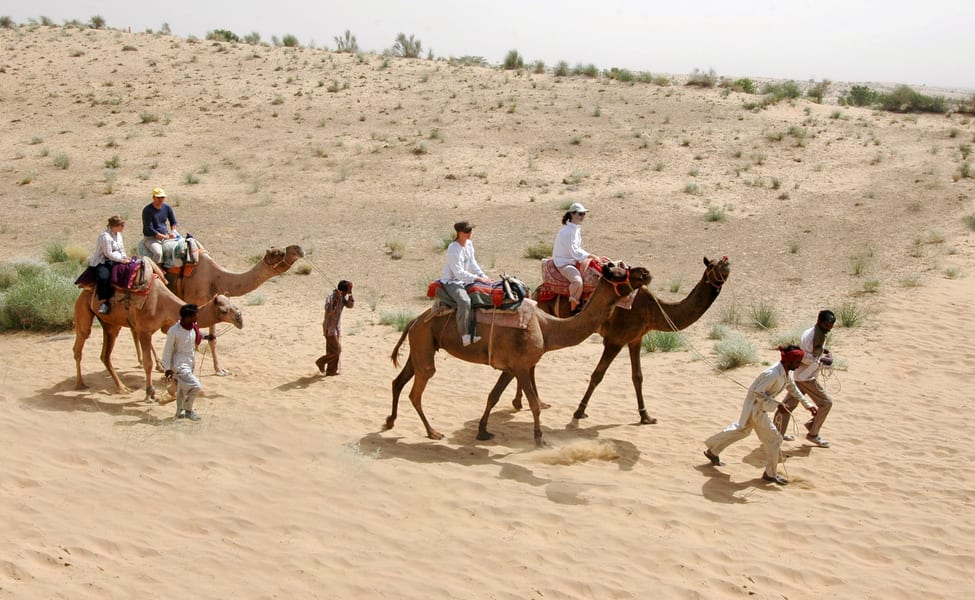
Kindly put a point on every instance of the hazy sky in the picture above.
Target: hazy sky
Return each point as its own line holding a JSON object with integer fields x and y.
{"x": 916, "y": 42}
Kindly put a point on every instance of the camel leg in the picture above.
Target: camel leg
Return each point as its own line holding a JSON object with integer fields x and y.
{"x": 145, "y": 343}
{"x": 609, "y": 354}
{"x": 213, "y": 352}
{"x": 110, "y": 334}
{"x": 422, "y": 374}
{"x": 503, "y": 380}
{"x": 139, "y": 352}
{"x": 527, "y": 381}
{"x": 516, "y": 403}
{"x": 83, "y": 319}
{"x": 399, "y": 382}
{"x": 636, "y": 372}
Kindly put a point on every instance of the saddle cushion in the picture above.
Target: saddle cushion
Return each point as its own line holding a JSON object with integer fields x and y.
{"x": 483, "y": 295}
{"x": 555, "y": 284}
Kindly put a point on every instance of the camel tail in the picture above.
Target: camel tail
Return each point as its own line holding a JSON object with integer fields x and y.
{"x": 406, "y": 330}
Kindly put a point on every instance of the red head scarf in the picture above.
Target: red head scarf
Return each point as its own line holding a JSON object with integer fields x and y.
{"x": 794, "y": 354}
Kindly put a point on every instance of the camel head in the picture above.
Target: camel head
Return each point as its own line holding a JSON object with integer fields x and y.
{"x": 281, "y": 260}
{"x": 625, "y": 278}
{"x": 227, "y": 312}
{"x": 717, "y": 271}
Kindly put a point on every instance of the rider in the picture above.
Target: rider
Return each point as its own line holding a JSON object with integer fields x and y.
{"x": 567, "y": 253}
{"x": 158, "y": 224}
{"x": 460, "y": 271}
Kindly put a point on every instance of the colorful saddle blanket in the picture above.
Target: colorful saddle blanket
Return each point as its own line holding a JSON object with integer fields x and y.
{"x": 517, "y": 319}
{"x": 505, "y": 294}
{"x": 134, "y": 276}
{"x": 177, "y": 252}
{"x": 555, "y": 284}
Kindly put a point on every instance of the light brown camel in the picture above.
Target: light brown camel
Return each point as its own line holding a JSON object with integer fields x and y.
{"x": 514, "y": 352}
{"x": 627, "y": 328}
{"x": 159, "y": 311}
{"x": 209, "y": 279}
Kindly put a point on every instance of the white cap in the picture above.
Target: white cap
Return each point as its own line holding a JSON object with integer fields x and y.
{"x": 577, "y": 208}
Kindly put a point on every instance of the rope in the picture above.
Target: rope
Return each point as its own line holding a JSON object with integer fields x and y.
{"x": 321, "y": 272}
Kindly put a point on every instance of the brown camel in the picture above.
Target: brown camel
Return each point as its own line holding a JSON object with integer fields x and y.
{"x": 159, "y": 311}
{"x": 209, "y": 279}
{"x": 627, "y": 328}
{"x": 514, "y": 352}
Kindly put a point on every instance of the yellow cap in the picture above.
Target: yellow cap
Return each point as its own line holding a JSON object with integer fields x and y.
{"x": 158, "y": 193}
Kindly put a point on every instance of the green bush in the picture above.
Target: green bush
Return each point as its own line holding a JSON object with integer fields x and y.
{"x": 561, "y": 69}
{"x": 743, "y": 85}
{"x": 346, "y": 43}
{"x": 407, "y": 47}
{"x": 8, "y": 276}
{"x": 40, "y": 300}
{"x": 662, "y": 341}
{"x": 701, "y": 79}
{"x": 763, "y": 315}
{"x": 851, "y": 314}
{"x": 861, "y": 95}
{"x": 905, "y": 99}
{"x": 289, "y": 41}
{"x": 734, "y": 351}
{"x": 222, "y": 35}
{"x": 538, "y": 250}
{"x": 397, "y": 319}
{"x": 513, "y": 60}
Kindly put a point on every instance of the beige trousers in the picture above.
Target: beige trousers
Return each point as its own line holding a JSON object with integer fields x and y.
{"x": 571, "y": 273}
{"x": 766, "y": 432}
{"x": 815, "y": 391}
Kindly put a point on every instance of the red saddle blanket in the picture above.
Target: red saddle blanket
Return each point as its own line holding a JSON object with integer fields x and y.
{"x": 555, "y": 284}
{"x": 484, "y": 295}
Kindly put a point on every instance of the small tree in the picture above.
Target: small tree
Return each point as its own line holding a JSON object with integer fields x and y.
{"x": 6, "y": 22}
{"x": 407, "y": 47}
{"x": 513, "y": 60}
{"x": 223, "y": 35}
{"x": 861, "y": 95}
{"x": 97, "y": 22}
{"x": 289, "y": 41}
{"x": 253, "y": 38}
{"x": 819, "y": 90}
{"x": 346, "y": 43}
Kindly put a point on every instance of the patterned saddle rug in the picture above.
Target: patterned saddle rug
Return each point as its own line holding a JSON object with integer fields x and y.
{"x": 177, "y": 252}
{"x": 555, "y": 284}
{"x": 506, "y": 294}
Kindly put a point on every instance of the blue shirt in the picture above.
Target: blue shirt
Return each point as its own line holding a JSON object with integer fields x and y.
{"x": 154, "y": 220}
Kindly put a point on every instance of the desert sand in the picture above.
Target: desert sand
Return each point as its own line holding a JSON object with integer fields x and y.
{"x": 290, "y": 488}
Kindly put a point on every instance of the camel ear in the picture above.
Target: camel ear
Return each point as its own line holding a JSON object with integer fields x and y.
{"x": 707, "y": 263}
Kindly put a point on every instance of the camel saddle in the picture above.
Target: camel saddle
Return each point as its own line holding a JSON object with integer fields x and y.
{"x": 516, "y": 319}
{"x": 555, "y": 284}
{"x": 505, "y": 294}
{"x": 133, "y": 280}
{"x": 180, "y": 254}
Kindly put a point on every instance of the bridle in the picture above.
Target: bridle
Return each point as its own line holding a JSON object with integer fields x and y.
{"x": 274, "y": 266}
{"x": 715, "y": 278}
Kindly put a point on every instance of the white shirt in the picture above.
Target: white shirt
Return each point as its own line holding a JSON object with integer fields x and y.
{"x": 762, "y": 392}
{"x": 107, "y": 247}
{"x": 461, "y": 266}
{"x": 180, "y": 349}
{"x": 810, "y": 363}
{"x": 568, "y": 246}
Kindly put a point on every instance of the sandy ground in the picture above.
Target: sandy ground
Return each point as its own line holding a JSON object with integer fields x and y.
{"x": 290, "y": 488}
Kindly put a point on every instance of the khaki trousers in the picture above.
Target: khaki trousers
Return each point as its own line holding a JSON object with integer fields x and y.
{"x": 766, "y": 432}
{"x": 571, "y": 273}
{"x": 817, "y": 394}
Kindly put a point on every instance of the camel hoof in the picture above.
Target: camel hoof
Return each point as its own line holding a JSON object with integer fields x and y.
{"x": 435, "y": 435}
{"x": 485, "y": 436}
{"x": 544, "y": 405}
{"x": 516, "y": 403}
{"x": 580, "y": 414}
{"x": 390, "y": 421}
{"x": 222, "y": 373}
{"x": 81, "y": 386}
{"x": 647, "y": 420}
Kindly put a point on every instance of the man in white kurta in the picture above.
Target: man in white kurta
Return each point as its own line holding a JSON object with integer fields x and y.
{"x": 759, "y": 400}
{"x": 179, "y": 359}
{"x": 813, "y": 343}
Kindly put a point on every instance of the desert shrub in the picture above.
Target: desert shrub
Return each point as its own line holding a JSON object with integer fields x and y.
{"x": 763, "y": 315}
{"x": 97, "y": 22}
{"x": 788, "y": 337}
{"x": 699, "y": 78}
{"x": 905, "y": 99}
{"x": 731, "y": 315}
{"x": 539, "y": 250}
{"x": 744, "y": 85}
{"x": 850, "y": 314}
{"x": 255, "y": 299}
{"x": 970, "y": 222}
{"x": 252, "y": 38}
{"x": 624, "y": 75}
{"x": 718, "y": 331}
{"x": 964, "y": 172}
{"x": 662, "y": 341}
{"x": 444, "y": 241}
{"x": 734, "y": 351}
{"x": 190, "y": 178}
{"x": 222, "y": 35}
{"x": 146, "y": 117}
{"x": 538, "y": 67}
{"x": 7, "y": 23}
{"x": 817, "y": 91}
{"x": 398, "y": 319}
{"x": 396, "y": 249}
{"x": 8, "y": 275}
{"x": 715, "y": 214}
{"x": 952, "y": 272}
{"x": 589, "y": 70}
{"x": 346, "y": 43}
{"x": 62, "y": 161}
{"x": 781, "y": 91}
{"x": 40, "y": 300}
{"x": 561, "y": 69}
{"x": 513, "y": 60}
{"x": 860, "y": 95}
{"x": 871, "y": 286}
{"x": 302, "y": 268}
{"x": 54, "y": 252}
{"x": 407, "y": 47}
{"x": 289, "y": 41}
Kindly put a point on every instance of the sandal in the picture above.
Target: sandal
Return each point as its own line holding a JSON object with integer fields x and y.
{"x": 818, "y": 440}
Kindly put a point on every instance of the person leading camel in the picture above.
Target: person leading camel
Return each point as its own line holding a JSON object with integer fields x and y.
{"x": 461, "y": 271}
{"x": 568, "y": 255}
{"x": 759, "y": 400}
{"x": 340, "y": 298}
{"x": 158, "y": 224}
{"x": 179, "y": 360}
{"x": 109, "y": 251}
{"x": 813, "y": 343}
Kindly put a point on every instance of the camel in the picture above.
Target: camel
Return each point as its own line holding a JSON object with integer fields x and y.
{"x": 514, "y": 352}
{"x": 159, "y": 311}
{"x": 209, "y": 279}
{"x": 627, "y": 328}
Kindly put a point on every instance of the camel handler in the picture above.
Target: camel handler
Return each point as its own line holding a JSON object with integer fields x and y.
{"x": 813, "y": 343}
{"x": 179, "y": 360}
{"x": 341, "y": 297}
{"x": 460, "y": 271}
{"x": 759, "y": 400}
